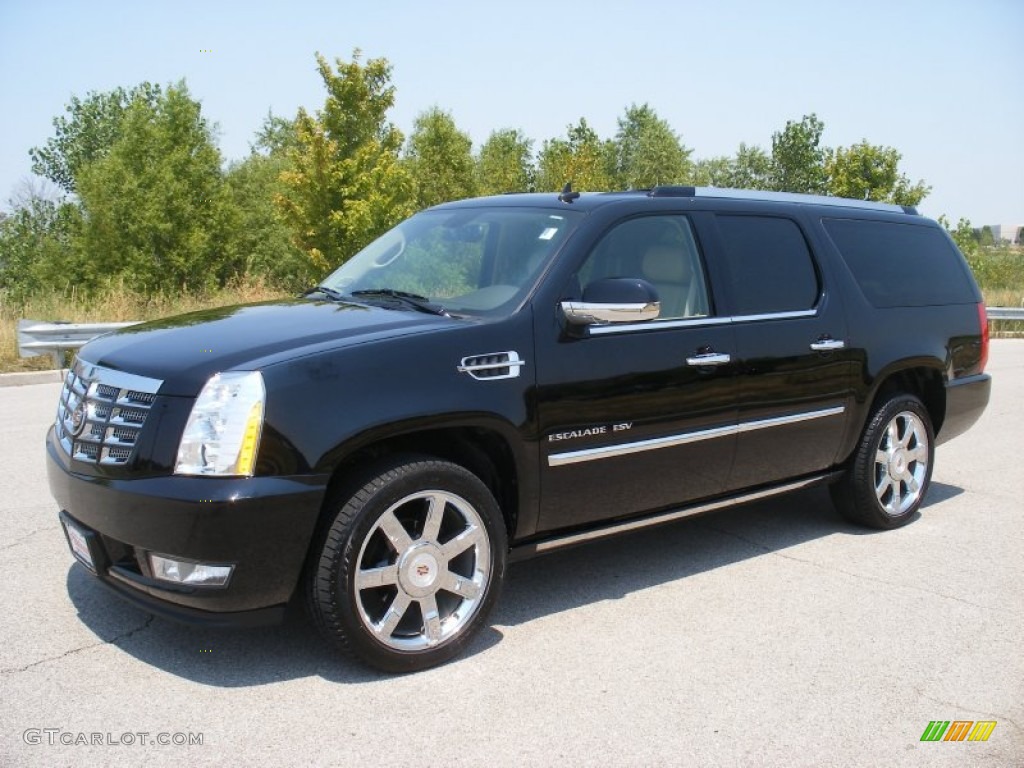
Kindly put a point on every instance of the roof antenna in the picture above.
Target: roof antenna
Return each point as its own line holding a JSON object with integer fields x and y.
{"x": 568, "y": 195}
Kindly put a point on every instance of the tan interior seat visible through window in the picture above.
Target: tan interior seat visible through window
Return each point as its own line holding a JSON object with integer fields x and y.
{"x": 669, "y": 270}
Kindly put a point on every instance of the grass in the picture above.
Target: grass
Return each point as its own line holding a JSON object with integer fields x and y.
{"x": 116, "y": 303}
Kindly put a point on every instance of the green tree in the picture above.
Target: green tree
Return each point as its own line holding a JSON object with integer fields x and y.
{"x": 91, "y": 128}
{"x": 987, "y": 238}
{"x": 751, "y": 168}
{"x": 648, "y": 152}
{"x": 505, "y": 163}
{"x": 440, "y": 159}
{"x": 864, "y": 171}
{"x": 276, "y": 136}
{"x": 1020, "y": 236}
{"x": 37, "y": 244}
{"x": 798, "y": 159}
{"x": 713, "y": 172}
{"x": 346, "y": 185}
{"x": 963, "y": 235}
{"x": 261, "y": 241}
{"x": 155, "y": 205}
{"x": 581, "y": 158}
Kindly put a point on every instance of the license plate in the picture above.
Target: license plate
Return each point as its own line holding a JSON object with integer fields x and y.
{"x": 79, "y": 545}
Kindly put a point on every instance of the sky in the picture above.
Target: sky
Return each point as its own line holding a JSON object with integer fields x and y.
{"x": 941, "y": 81}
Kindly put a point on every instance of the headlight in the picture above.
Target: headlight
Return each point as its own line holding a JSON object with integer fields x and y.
{"x": 223, "y": 430}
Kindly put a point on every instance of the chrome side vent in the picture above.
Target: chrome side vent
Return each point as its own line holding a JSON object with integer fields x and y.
{"x": 495, "y": 365}
{"x": 101, "y": 413}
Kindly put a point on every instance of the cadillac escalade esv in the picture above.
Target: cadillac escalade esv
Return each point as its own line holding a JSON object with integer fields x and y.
{"x": 498, "y": 377}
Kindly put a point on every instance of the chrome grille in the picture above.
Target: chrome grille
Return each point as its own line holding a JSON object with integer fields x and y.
{"x": 101, "y": 413}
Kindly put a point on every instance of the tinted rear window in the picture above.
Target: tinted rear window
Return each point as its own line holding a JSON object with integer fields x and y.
{"x": 902, "y": 265}
{"x": 770, "y": 266}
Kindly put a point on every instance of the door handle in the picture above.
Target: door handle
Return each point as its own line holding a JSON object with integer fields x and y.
{"x": 826, "y": 344}
{"x": 708, "y": 358}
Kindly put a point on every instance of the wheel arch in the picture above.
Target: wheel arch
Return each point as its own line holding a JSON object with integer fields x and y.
{"x": 924, "y": 381}
{"x": 479, "y": 447}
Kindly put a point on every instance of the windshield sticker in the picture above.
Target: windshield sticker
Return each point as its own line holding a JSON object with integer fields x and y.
{"x": 548, "y": 233}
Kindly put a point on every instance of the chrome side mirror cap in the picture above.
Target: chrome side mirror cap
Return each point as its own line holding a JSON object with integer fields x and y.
{"x": 614, "y": 300}
{"x": 583, "y": 313}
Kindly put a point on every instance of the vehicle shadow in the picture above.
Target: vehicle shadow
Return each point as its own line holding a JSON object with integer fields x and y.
{"x": 602, "y": 570}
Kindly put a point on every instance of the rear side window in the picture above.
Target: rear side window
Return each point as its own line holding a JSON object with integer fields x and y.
{"x": 901, "y": 265}
{"x": 770, "y": 266}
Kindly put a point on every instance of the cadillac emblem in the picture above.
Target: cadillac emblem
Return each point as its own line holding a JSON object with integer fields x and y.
{"x": 78, "y": 419}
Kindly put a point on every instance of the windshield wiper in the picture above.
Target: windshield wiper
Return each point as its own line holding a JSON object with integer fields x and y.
{"x": 422, "y": 303}
{"x": 328, "y": 292}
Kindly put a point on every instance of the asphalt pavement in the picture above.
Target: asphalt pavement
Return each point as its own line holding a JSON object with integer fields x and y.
{"x": 775, "y": 634}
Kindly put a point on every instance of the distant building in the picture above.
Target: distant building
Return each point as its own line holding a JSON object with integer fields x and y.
{"x": 1003, "y": 232}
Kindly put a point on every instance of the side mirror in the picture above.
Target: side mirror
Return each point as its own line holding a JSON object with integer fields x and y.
{"x": 614, "y": 300}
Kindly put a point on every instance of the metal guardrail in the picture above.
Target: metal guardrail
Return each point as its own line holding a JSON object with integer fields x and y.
{"x": 1005, "y": 313}
{"x": 39, "y": 338}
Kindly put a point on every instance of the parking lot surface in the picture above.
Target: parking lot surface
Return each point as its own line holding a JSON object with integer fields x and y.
{"x": 774, "y": 634}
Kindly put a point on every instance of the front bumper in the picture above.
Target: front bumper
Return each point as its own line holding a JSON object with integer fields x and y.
{"x": 261, "y": 525}
{"x": 966, "y": 399}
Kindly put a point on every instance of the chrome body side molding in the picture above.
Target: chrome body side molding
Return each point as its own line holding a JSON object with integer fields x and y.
{"x": 623, "y": 449}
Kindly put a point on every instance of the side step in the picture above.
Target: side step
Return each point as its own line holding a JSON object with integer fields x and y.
{"x": 543, "y": 546}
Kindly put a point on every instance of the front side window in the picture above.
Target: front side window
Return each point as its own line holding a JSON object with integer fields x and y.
{"x": 661, "y": 250}
{"x": 769, "y": 264}
{"x": 467, "y": 260}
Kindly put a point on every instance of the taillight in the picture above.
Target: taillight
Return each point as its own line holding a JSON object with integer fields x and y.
{"x": 983, "y": 319}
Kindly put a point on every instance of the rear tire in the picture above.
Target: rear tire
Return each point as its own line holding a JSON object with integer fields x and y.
{"x": 890, "y": 471}
{"x": 409, "y": 565}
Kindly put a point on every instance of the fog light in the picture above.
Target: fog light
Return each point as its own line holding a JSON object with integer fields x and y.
{"x": 185, "y": 572}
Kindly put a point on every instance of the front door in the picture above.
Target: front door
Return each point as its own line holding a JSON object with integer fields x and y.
{"x": 641, "y": 416}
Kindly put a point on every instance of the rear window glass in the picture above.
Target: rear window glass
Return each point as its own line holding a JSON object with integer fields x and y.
{"x": 770, "y": 267}
{"x": 901, "y": 265}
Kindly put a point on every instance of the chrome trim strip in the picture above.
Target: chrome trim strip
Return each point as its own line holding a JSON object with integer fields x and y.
{"x": 774, "y": 316}
{"x": 651, "y": 444}
{"x": 653, "y": 325}
{"x": 119, "y": 379}
{"x": 777, "y": 421}
{"x": 524, "y": 551}
{"x": 622, "y": 449}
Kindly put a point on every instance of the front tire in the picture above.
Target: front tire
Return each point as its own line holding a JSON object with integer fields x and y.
{"x": 891, "y": 469}
{"x": 409, "y": 565}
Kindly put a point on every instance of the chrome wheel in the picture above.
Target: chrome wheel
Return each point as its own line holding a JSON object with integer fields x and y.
{"x": 422, "y": 570}
{"x": 901, "y": 463}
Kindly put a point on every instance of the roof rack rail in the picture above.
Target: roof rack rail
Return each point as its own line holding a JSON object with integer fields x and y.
{"x": 781, "y": 197}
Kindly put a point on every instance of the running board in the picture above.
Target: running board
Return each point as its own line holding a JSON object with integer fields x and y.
{"x": 543, "y": 546}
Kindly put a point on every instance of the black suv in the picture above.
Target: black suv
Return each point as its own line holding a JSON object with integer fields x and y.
{"x": 499, "y": 377}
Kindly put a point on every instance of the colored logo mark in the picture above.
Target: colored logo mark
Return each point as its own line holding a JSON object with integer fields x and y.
{"x": 958, "y": 730}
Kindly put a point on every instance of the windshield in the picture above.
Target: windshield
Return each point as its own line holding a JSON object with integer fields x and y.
{"x": 468, "y": 260}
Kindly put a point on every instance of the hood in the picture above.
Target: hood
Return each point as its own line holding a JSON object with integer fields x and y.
{"x": 185, "y": 350}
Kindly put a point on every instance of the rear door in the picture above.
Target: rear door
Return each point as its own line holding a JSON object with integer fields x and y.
{"x": 793, "y": 366}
